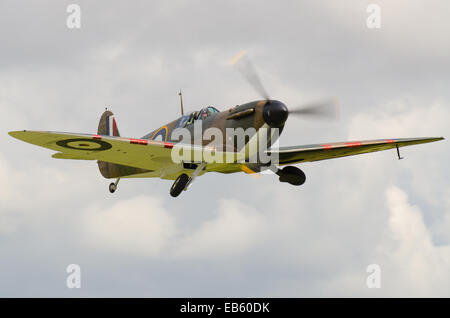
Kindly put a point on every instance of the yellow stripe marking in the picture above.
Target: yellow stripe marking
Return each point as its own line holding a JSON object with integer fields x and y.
{"x": 247, "y": 169}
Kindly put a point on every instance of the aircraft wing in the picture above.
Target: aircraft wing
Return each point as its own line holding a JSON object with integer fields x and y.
{"x": 316, "y": 152}
{"x": 139, "y": 153}
{"x": 150, "y": 155}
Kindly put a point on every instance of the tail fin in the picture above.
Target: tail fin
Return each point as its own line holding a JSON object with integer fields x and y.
{"x": 107, "y": 125}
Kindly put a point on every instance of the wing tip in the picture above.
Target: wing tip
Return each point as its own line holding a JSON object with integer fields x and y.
{"x": 425, "y": 139}
{"x": 16, "y": 133}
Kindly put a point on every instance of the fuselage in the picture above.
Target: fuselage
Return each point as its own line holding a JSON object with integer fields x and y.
{"x": 245, "y": 130}
{"x": 247, "y": 118}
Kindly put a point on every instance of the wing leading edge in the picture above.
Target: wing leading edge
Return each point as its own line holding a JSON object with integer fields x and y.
{"x": 316, "y": 152}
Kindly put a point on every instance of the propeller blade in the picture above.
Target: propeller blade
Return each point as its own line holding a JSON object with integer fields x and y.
{"x": 243, "y": 64}
{"x": 323, "y": 109}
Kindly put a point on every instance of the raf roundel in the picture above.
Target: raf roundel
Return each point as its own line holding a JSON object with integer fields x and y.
{"x": 84, "y": 144}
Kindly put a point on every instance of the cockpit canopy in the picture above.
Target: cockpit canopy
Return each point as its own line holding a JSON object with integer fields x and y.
{"x": 197, "y": 115}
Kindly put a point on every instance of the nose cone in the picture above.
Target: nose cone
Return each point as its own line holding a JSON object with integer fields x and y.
{"x": 275, "y": 113}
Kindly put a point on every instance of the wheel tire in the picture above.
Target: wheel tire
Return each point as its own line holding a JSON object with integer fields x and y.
{"x": 292, "y": 175}
{"x": 112, "y": 187}
{"x": 179, "y": 185}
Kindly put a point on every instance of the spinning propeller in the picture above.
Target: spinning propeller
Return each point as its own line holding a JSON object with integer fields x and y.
{"x": 276, "y": 113}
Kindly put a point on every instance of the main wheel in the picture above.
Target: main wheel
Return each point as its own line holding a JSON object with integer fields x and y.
{"x": 292, "y": 175}
{"x": 112, "y": 187}
{"x": 179, "y": 185}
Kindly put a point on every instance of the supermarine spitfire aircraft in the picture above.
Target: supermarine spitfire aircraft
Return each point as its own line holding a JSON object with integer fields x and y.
{"x": 151, "y": 155}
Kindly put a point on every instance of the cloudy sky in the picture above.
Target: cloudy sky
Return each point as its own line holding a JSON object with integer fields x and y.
{"x": 229, "y": 235}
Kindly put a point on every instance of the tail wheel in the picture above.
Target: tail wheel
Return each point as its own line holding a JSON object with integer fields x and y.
{"x": 112, "y": 187}
{"x": 179, "y": 185}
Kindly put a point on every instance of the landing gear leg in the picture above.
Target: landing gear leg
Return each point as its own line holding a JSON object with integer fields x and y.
{"x": 195, "y": 174}
{"x": 113, "y": 186}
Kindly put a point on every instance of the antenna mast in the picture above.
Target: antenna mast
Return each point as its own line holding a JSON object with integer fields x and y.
{"x": 181, "y": 100}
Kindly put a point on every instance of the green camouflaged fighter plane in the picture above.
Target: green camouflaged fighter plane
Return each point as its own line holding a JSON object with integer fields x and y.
{"x": 152, "y": 155}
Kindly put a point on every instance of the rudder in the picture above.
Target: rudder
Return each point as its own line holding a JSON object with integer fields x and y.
{"x": 108, "y": 125}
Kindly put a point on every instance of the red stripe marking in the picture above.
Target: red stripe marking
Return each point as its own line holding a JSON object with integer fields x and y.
{"x": 138, "y": 141}
{"x": 168, "y": 145}
{"x": 96, "y": 136}
{"x": 327, "y": 146}
{"x": 114, "y": 132}
{"x": 353, "y": 144}
{"x": 389, "y": 141}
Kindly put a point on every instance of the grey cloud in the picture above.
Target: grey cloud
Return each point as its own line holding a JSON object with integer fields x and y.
{"x": 314, "y": 240}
